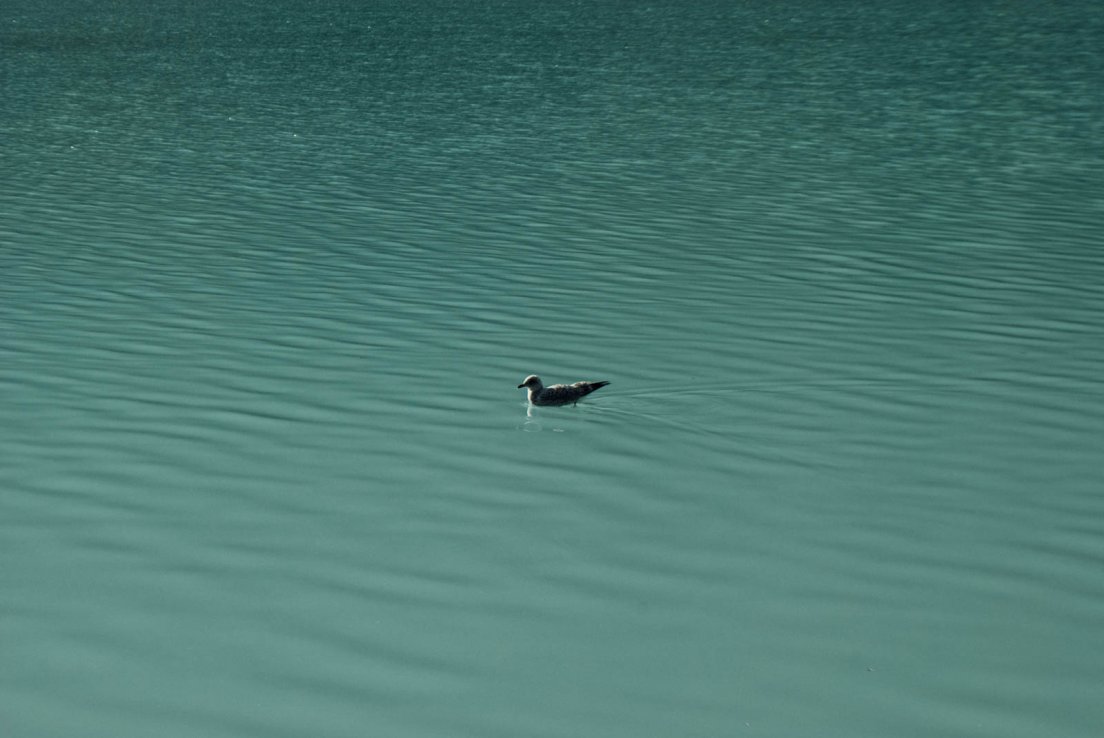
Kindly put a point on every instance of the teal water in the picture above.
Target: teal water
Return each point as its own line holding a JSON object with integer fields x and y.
{"x": 271, "y": 272}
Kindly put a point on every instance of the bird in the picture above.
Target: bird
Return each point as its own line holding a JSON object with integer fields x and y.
{"x": 558, "y": 394}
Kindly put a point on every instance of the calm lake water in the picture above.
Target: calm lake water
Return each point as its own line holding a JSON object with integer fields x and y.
{"x": 271, "y": 272}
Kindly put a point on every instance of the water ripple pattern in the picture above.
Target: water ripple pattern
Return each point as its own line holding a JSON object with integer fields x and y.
{"x": 270, "y": 275}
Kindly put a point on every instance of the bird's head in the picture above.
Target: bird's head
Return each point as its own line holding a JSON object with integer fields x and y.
{"x": 532, "y": 381}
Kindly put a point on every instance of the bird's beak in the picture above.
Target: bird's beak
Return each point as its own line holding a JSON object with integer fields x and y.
{"x": 520, "y": 386}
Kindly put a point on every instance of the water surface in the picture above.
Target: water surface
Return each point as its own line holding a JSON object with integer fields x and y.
{"x": 270, "y": 276}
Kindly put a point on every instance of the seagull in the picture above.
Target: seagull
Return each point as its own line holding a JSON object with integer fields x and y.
{"x": 558, "y": 394}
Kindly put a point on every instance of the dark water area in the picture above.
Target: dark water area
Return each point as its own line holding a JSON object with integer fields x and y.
{"x": 271, "y": 272}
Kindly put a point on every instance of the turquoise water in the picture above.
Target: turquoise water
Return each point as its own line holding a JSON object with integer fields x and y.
{"x": 270, "y": 274}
